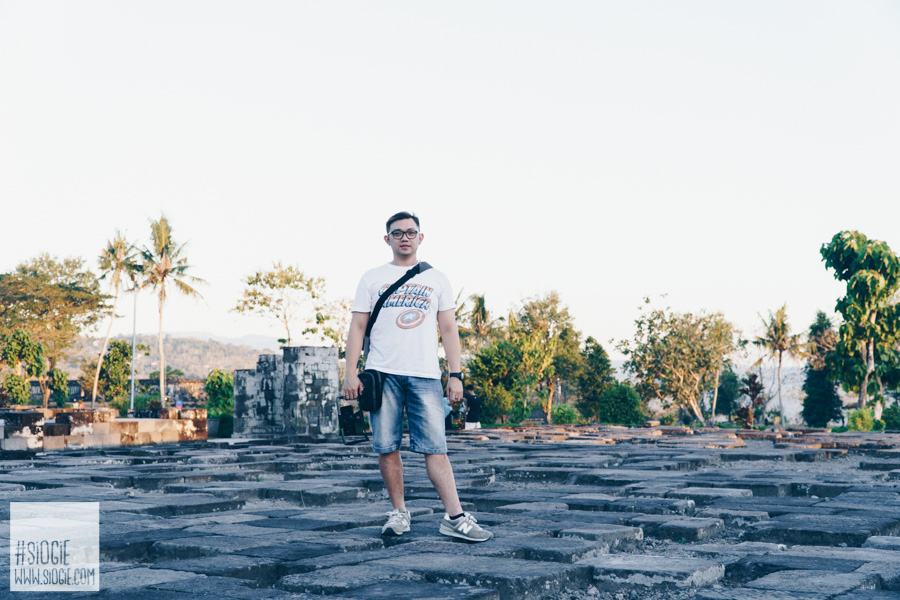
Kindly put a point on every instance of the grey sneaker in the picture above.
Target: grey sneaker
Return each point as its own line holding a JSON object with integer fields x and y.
{"x": 465, "y": 528}
{"x": 397, "y": 523}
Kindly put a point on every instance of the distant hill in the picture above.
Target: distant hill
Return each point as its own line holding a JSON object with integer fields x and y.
{"x": 194, "y": 356}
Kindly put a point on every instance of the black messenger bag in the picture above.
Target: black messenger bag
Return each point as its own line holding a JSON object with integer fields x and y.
{"x": 373, "y": 381}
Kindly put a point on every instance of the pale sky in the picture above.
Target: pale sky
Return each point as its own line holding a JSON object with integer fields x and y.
{"x": 606, "y": 150}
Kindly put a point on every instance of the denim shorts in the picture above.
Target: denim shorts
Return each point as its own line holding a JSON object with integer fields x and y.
{"x": 423, "y": 400}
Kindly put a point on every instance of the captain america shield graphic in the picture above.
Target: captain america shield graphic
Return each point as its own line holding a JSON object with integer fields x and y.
{"x": 410, "y": 318}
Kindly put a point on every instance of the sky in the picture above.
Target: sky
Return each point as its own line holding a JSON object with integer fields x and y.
{"x": 610, "y": 151}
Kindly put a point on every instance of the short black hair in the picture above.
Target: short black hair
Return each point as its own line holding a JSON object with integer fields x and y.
{"x": 470, "y": 387}
{"x": 399, "y": 217}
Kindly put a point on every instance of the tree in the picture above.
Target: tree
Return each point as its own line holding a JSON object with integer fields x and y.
{"x": 118, "y": 259}
{"x": 674, "y": 354}
{"x": 286, "y": 294}
{"x": 753, "y": 388}
{"x": 866, "y": 352}
{"x": 595, "y": 377}
{"x": 728, "y": 391}
{"x": 165, "y": 263}
{"x": 545, "y": 335}
{"x": 219, "y": 393}
{"x": 619, "y": 404}
{"x": 778, "y": 341}
{"x": 16, "y": 389}
{"x": 172, "y": 374}
{"x": 496, "y": 374}
{"x": 477, "y": 327}
{"x": 59, "y": 386}
{"x": 723, "y": 341}
{"x": 115, "y": 373}
{"x": 54, "y": 301}
{"x": 821, "y": 403}
{"x": 22, "y": 354}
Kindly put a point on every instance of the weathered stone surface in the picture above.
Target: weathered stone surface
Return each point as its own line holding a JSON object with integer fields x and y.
{"x": 613, "y": 536}
{"x": 882, "y": 542}
{"x": 822, "y": 583}
{"x": 512, "y": 578}
{"x": 702, "y": 496}
{"x": 822, "y": 529}
{"x": 616, "y": 571}
{"x": 316, "y": 510}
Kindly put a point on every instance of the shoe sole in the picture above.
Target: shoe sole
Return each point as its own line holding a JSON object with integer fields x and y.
{"x": 462, "y": 536}
{"x": 392, "y": 532}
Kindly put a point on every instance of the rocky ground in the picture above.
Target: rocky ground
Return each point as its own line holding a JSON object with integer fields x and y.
{"x": 578, "y": 513}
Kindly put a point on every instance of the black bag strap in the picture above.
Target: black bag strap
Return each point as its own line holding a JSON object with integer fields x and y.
{"x": 419, "y": 268}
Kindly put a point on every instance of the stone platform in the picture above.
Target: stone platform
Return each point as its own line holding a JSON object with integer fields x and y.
{"x": 577, "y": 513}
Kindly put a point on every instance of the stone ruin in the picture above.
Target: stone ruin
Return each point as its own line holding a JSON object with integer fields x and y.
{"x": 294, "y": 394}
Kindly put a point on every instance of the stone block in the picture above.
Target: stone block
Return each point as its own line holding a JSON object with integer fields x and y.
{"x": 525, "y": 507}
{"x": 650, "y": 572}
{"x": 822, "y": 529}
{"x": 825, "y": 584}
{"x": 745, "y": 594}
{"x": 702, "y": 496}
{"x": 395, "y": 590}
{"x": 14, "y": 443}
{"x": 57, "y": 442}
{"x": 652, "y": 506}
{"x": 882, "y": 542}
{"x": 734, "y": 518}
{"x": 264, "y": 571}
{"x": 56, "y": 429}
{"x": 513, "y": 579}
{"x": 614, "y": 536}
{"x": 339, "y": 580}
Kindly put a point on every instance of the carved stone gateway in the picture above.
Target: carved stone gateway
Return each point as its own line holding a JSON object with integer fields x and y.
{"x": 294, "y": 394}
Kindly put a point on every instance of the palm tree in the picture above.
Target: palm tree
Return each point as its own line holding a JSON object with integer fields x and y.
{"x": 116, "y": 260}
{"x": 476, "y": 326}
{"x": 163, "y": 262}
{"x": 778, "y": 341}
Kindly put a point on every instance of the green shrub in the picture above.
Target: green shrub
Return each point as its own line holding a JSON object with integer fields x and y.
{"x": 860, "y": 420}
{"x": 141, "y": 401}
{"x": 17, "y": 390}
{"x": 219, "y": 393}
{"x": 563, "y": 414}
{"x": 620, "y": 405}
{"x": 879, "y": 425}
{"x": 667, "y": 419}
{"x": 891, "y": 416}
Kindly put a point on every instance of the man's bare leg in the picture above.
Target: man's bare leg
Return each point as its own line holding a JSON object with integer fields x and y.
{"x": 391, "y": 467}
{"x": 441, "y": 475}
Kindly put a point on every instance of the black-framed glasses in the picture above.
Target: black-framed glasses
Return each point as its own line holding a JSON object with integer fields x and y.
{"x": 398, "y": 234}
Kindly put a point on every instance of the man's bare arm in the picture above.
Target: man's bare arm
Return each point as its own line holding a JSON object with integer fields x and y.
{"x": 358, "y": 323}
{"x": 450, "y": 341}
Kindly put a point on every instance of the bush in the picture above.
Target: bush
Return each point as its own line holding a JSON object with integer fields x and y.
{"x": 620, "y": 405}
{"x": 891, "y": 416}
{"x": 667, "y": 419}
{"x": 879, "y": 425}
{"x": 17, "y": 390}
{"x": 563, "y": 414}
{"x": 497, "y": 402}
{"x": 219, "y": 393}
{"x": 141, "y": 402}
{"x": 59, "y": 386}
{"x": 860, "y": 420}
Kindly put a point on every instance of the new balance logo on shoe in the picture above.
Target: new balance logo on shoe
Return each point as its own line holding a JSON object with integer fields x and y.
{"x": 465, "y": 528}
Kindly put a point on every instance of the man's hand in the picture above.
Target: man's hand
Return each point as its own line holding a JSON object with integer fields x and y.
{"x": 352, "y": 386}
{"x": 454, "y": 389}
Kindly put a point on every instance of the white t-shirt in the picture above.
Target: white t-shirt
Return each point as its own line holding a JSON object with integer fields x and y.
{"x": 404, "y": 339}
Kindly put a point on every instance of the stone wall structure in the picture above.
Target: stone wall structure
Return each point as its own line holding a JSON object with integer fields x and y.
{"x": 294, "y": 394}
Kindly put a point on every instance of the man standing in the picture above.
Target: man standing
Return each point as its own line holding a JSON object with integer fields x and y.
{"x": 474, "y": 404}
{"x": 403, "y": 346}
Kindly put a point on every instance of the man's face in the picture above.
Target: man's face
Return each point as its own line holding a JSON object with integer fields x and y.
{"x": 409, "y": 237}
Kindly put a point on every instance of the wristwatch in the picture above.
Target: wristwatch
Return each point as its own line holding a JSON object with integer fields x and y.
{"x": 458, "y": 376}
